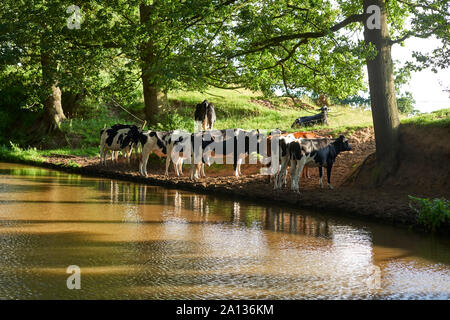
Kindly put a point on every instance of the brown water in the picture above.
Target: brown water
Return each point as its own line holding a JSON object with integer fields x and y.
{"x": 143, "y": 242}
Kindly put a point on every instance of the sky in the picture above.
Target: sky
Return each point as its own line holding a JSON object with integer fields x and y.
{"x": 426, "y": 86}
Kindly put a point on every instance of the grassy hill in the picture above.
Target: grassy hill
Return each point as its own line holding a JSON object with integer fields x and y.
{"x": 247, "y": 110}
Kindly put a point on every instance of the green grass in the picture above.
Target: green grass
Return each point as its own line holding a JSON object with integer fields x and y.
{"x": 235, "y": 109}
{"x": 32, "y": 155}
{"x": 86, "y": 152}
{"x": 88, "y": 130}
{"x": 15, "y": 154}
{"x": 440, "y": 118}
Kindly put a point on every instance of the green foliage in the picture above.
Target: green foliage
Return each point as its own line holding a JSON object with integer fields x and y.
{"x": 405, "y": 103}
{"x": 355, "y": 100}
{"x": 191, "y": 45}
{"x": 431, "y": 213}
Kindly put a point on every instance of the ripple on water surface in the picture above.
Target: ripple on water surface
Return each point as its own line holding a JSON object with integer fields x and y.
{"x": 143, "y": 242}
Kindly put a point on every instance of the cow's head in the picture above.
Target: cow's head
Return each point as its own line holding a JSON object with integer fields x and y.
{"x": 341, "y": 144}
{"x": 324, "y": 109}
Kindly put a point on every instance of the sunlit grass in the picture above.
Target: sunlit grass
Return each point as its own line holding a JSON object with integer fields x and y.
{"x": 235, "y": 109}
{"x": 440, "y": 118}
{"x": 15, "y": 153}
{"x": 85, "y": 152}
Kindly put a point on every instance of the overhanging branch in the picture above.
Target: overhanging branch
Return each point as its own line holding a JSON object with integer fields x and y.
{"x": 262, "y": 45}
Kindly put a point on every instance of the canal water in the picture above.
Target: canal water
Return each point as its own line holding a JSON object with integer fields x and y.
{"x": 133, "y": 241}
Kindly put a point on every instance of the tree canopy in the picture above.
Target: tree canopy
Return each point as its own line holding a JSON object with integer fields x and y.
{"x": 288, "y": 46}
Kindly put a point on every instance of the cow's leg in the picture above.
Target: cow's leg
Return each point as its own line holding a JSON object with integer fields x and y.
{"x": 329, "y": 167}
{"x": 105, "y": 151}
{"x": 102, "y": 152}
{"x": 293, "y": 176}
{"x": 167, "y": 164}
{"x": 203, "y": 170}
{"x": 320, "y": 176}
{"x": 177, "y": 166}
{"x": 143, "y": 164}
{"x": 282, "y": 179}
{"x": 275, "y": 178}
{"x": 279, "y": 175}
{"x": 135, "y": 146}
{"x": 129, "y": 154}
{"x": 191, "y": 175}
{"x": 239, "y": 163}
{"x": 195, "y": 169}
{"x": 181, "y": 166}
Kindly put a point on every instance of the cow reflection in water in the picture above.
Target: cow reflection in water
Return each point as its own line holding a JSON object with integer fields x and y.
{"x": 199, "y": 204}
{"x": 271, "y": 218}
{"x": 277, "y": 219}
{"x": 123, "y": 192}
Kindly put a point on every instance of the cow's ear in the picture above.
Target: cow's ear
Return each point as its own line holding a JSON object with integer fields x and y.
{"x": 342, "y": 138}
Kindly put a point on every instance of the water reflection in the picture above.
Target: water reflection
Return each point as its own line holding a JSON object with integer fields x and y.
{"x": 138, "y": 241}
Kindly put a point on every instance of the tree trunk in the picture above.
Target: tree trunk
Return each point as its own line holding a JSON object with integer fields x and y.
{"x": 71, "y": 102}
{"x": 53, "y": 112}
{"x": 150, "y": 89}
{"x": 382, "y": 96}
{"x": 150, "y": 100}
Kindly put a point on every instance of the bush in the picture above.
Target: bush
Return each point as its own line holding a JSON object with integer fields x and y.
{"x": 431, "y": 213}
{"x": 405, "y": 103}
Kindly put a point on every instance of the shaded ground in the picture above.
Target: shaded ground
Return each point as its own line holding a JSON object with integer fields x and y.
{"x": 389, "y": 203}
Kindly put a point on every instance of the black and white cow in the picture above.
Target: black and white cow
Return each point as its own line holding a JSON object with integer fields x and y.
{"x": 152, "y": 142}
{"x": 321, "y": 118}
{"x": 177, "y": 151}
{"x": 119, "y": 137}
{"x": 183, "y": 146}
{"x": 284, "y": 159}
{"x": 205, "y": 115}
{"x": 315, "y": 153}
{"x": 236, "y": 143}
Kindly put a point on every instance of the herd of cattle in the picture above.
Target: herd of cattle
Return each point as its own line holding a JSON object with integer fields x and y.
{"x": 275, "y": 150}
